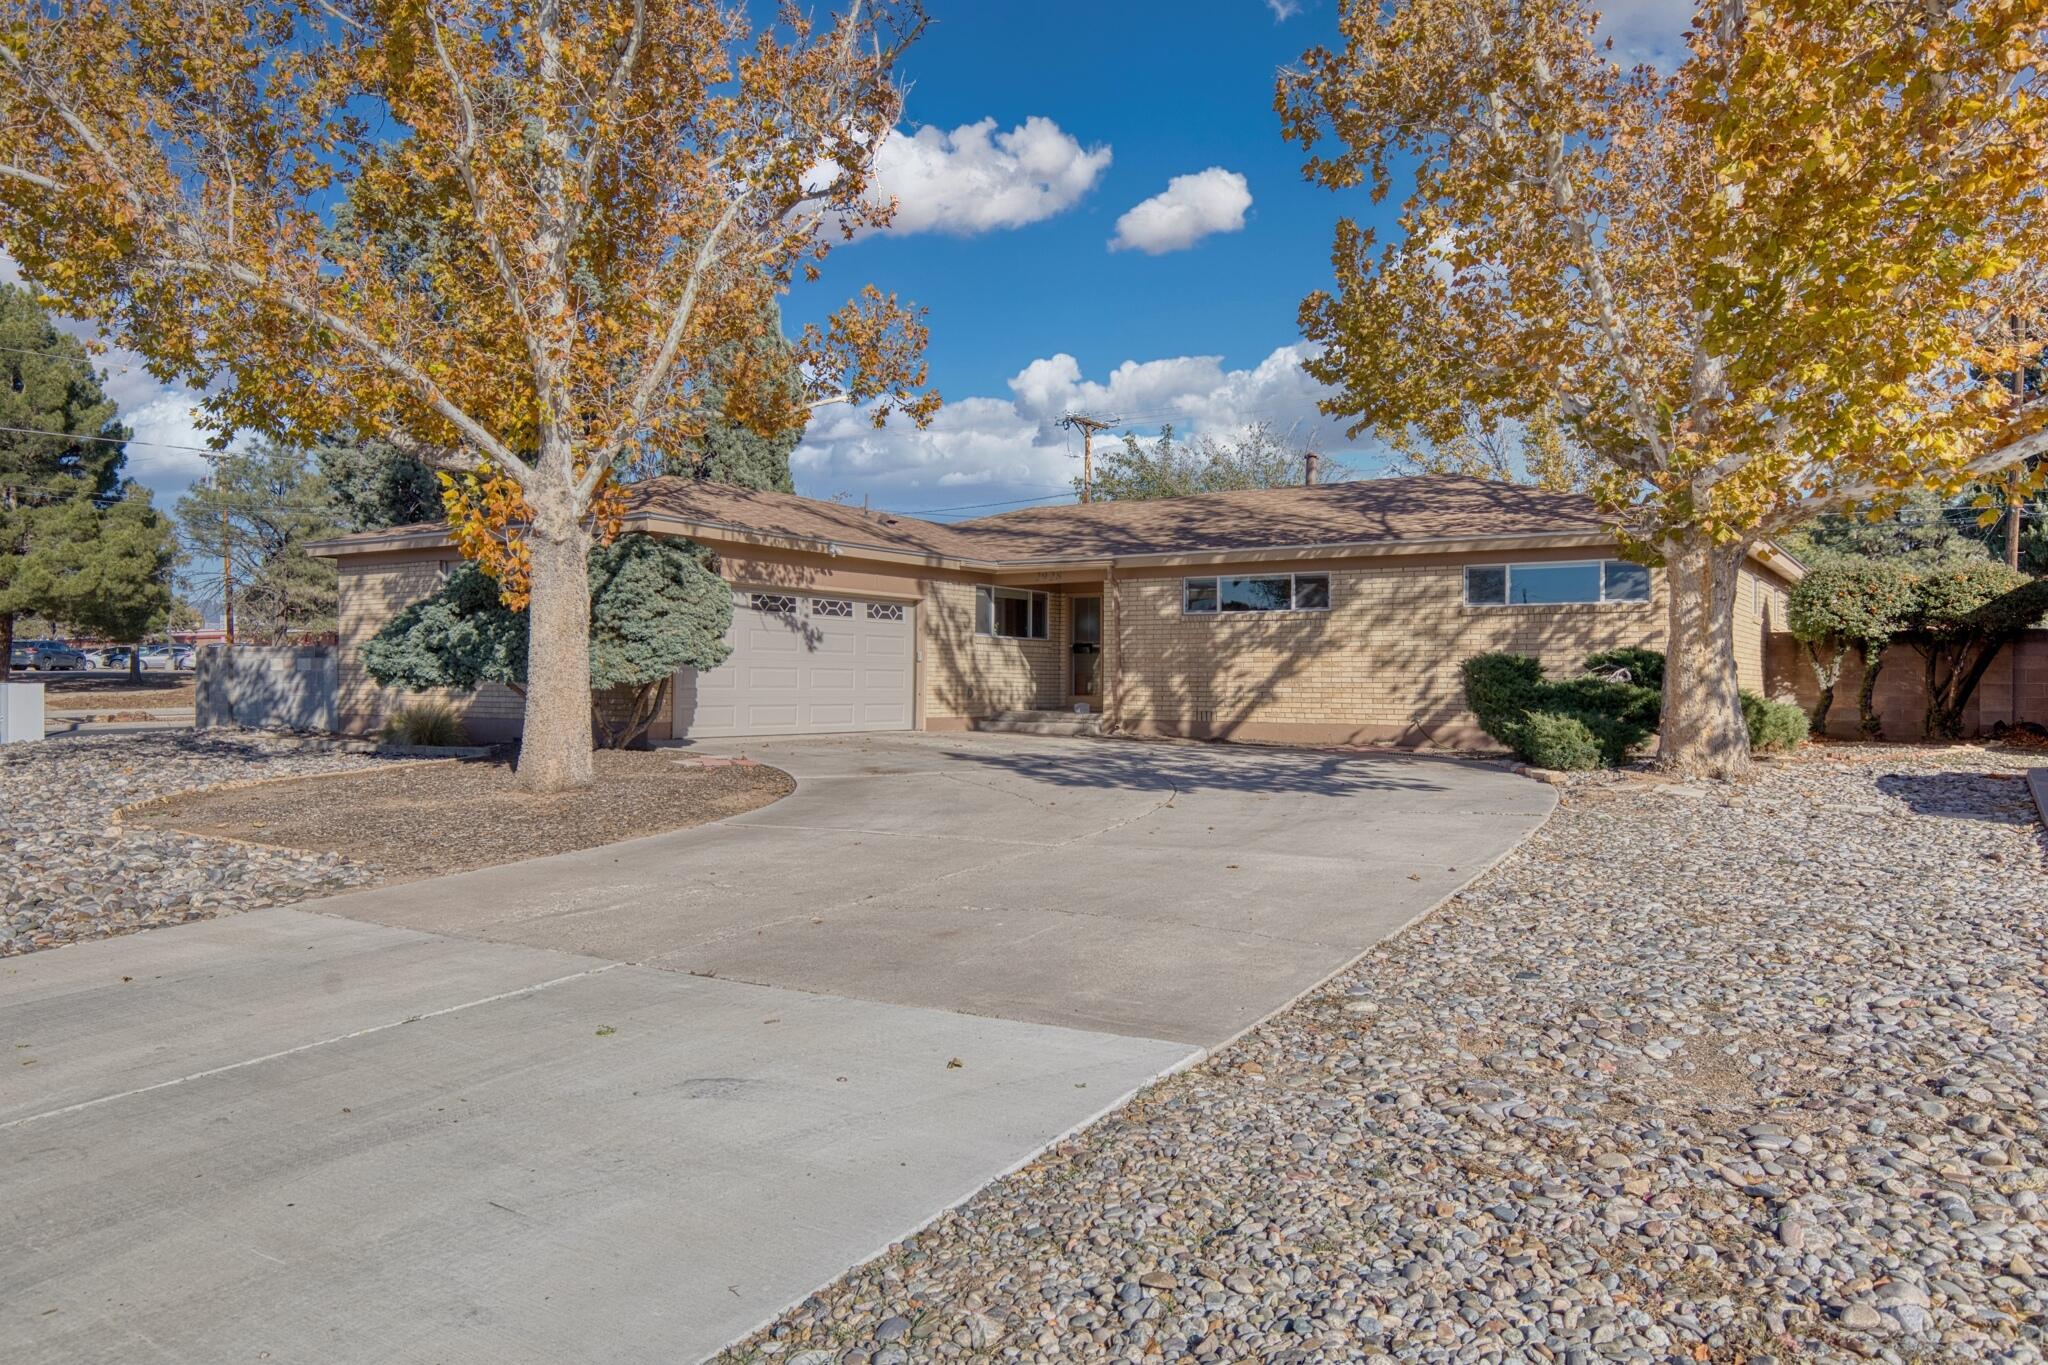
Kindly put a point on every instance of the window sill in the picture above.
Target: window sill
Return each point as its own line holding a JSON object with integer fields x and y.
{"x": 1548, "y": 608}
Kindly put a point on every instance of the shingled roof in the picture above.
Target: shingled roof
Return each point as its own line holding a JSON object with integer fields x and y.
{"x": 1360, "y": 512}
{"x": 1363, "y": 512}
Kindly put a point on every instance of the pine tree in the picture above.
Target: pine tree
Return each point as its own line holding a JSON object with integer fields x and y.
{"x": 258, "y": 510}
{"x": 51, "y": 485}
{"x": 734, "y": 449}
{"x": 374, "y": 486}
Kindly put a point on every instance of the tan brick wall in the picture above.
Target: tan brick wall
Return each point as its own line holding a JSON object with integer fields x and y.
{"x": 1381, "y": 664}
{"x": 968, "y": 675}
{"x": 373, "y": 589}
{"x": 1760, "y": 600}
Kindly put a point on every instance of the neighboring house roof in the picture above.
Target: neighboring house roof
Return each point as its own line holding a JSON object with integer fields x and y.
{"x": 1360, "y": 516}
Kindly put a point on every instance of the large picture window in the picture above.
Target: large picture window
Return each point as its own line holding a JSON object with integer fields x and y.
{"x": 1011, "y": 613}
{"x": 1255, "y": 592}
{"x": 1586, "y": 581}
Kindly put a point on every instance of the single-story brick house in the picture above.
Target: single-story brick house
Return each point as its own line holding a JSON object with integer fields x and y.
{"x": 1336, "y": 613}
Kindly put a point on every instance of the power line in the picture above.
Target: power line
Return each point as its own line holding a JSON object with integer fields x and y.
{"x": 113, "y": 440}
{"x": 978, "y": 506}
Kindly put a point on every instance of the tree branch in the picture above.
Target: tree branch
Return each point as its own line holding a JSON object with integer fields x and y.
{"x": 657, "y": 371}
{"x": 1849, "y": 495}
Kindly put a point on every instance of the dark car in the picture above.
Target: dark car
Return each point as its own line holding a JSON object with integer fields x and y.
{"x": 45, "y": 656}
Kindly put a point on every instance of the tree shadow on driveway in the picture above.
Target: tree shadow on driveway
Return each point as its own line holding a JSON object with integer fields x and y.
{"x": 1148, "y": 765}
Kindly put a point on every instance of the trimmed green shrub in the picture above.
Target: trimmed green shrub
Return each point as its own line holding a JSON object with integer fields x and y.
{"x": 1774, "y": 726}
{"x": 1557, "y": 739}
{"x": 1645, "y": 667}
{"x": 1501, "y": 689}
{"x": 1586, "y": 722}
{"x": 424, "y": 723}
{"x": 1635, "y": 704}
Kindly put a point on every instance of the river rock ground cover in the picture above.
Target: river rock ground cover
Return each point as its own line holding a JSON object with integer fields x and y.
{"x": 68, "y": 875}
{"x": 1698, "y": 1073}
{"x": 336, "y": 820}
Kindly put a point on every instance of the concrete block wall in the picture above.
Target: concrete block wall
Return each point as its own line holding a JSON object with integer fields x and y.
{"x": 282, "y": 687}
{"x": 2014, "y": 689}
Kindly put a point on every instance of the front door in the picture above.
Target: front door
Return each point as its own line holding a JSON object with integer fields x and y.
{"x": 1087, "y": 646}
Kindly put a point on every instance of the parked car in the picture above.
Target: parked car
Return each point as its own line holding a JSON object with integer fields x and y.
{"x": 114, "y": 656}
{"x": 45, "y": 656}
{"x": 162, "y": 658}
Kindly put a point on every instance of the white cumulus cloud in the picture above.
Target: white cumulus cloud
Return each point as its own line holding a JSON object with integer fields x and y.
{"x": 1283, "y": 10}
{"x": 976, "y": 178}
{"x": 1651, "y": 31}
{"x": 991, "y": 449}
{"x": 1189, "y": 209}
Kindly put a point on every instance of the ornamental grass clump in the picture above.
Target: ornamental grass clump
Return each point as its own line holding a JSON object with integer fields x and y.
{"x": 424, "y": 724}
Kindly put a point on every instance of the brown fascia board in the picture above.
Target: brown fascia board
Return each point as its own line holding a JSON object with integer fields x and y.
{"x": 726, "y": 534}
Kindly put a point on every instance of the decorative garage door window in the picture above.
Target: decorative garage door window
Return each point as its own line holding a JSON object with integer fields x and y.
{"x": 885, "y": 611}
{"x": 832, "y": 606}
{"x": 1255, "y": 593}
{"x": 773, "y": 603}
{"x": 1584, "y": 582}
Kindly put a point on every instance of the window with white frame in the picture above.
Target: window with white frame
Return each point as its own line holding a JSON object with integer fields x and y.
{"x": 1556, "y": 584}
{"x": 1226, "y": 593}
{"x": 1012, "y": 613}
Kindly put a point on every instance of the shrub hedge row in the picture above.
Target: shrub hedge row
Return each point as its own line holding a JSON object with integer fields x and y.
{"x": 1598, "y": 720}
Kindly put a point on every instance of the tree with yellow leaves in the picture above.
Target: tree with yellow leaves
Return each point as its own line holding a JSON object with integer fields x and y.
{"x": 512, "y": 237}
{"x": 1748, "y": 287}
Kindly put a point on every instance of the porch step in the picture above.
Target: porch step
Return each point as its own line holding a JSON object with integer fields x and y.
{"x": 1039, "y": 723}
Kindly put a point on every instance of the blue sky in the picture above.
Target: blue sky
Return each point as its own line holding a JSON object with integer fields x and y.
{"x": 1099, "y": 213}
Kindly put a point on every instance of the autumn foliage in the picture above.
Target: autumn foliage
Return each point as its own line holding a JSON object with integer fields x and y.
{"x": 524, "y": 240}
{"x": 1750, "y": 290}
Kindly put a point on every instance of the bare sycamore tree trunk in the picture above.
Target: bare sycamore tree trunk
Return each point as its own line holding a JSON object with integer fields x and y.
{"x": 554, "y": 752}
{"x": 1827, "y": 671}
{"x": 1703, "y": 734}
{"x": 1867, "y": 720}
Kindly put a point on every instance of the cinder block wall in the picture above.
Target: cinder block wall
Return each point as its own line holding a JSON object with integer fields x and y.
{"x": 2014, "y": 689}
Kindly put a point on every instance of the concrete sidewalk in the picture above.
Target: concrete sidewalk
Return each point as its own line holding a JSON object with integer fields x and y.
{"x": 628, "y": 1104}
{"x": 291, "y": 1137}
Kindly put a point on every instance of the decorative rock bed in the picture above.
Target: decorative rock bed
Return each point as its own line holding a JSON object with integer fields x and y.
{"x": 1698, "y": 1073}
{"x": 69, "y": 874}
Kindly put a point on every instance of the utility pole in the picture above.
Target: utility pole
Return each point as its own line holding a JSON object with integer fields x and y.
{"x": 227, "y": 564}
{"x": 1088, "y": 427}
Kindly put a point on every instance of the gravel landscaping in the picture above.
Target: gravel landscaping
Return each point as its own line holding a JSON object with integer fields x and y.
{"x": 67, "y": 877}
{"x": 1698, "y": 1073}
{"x": 429, "y": 819}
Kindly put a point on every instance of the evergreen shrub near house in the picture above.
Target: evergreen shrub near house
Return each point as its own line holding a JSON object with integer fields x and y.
{"x": 1576, "y": 723}
{"x": 654, "y": 608}
{"x": 1596, "y": 721}
{"x": 1774, "y": 726}
{"x": 1645, "y": 667}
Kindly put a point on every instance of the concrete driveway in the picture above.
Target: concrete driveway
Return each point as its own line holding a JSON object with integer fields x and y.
{"x": 627, "y": 1104}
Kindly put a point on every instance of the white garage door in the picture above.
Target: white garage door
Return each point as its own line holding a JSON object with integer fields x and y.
{"x": 803, "y": 665}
